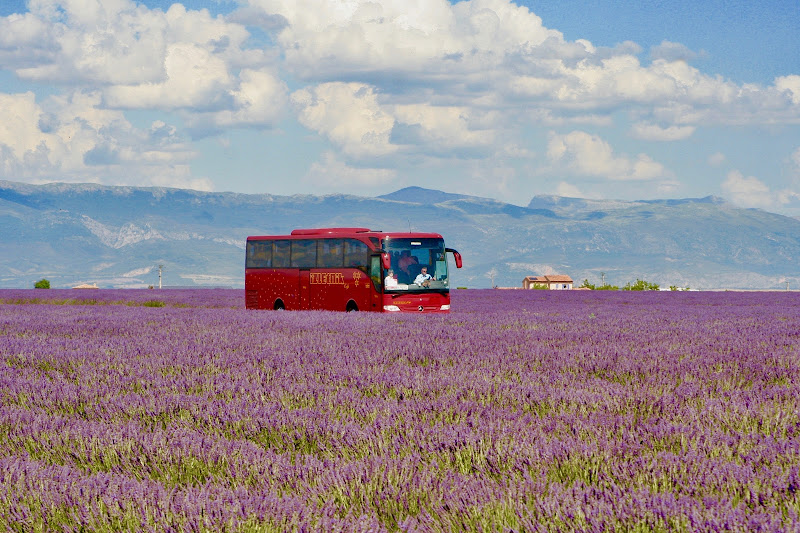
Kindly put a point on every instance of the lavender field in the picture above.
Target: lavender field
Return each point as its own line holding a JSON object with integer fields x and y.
{"x": 179, "y": 410}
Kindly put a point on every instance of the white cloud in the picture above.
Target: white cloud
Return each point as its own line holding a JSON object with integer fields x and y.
{"x": 418, "y": 80}
{"x": 139, "y": 58}
{"x": 790, "y": 85}
{"x": 333, "y": 175}
{"x": 569, "y": 190}
{"x": 354, "y": 117}
{"x": 670, "y": 51}
{"x": 426, "y": 37}
{"x": 653, "y": 132}
{"x": 121, "y": 42}
{"x": 259, "y": 99}
{"x": 716, "y": 159}
{"x": 70, "y": 138}
{"x": 748, "y": 191}
{"x": 589, "y": 155}
{"x": 444, "y": 128}
{"x": 349, "y": 114}
{"x": 194, "y": 78}
{"x": 447, "y": 53}
{"x": 19, "y": 116}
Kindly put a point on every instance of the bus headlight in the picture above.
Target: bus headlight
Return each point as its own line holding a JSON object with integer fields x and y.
{"x": 391, "y": 308}
{"x": 445, "y": 307}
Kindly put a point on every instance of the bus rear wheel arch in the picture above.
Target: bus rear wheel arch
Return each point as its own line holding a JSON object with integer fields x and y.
{"x": 279, "y": 306}
{"x": 351, "y": 307}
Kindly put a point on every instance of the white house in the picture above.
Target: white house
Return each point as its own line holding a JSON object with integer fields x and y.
{"x": 554, "y": 282}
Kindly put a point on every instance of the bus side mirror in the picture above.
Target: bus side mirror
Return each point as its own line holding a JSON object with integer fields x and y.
{"x": 386, "y": 261}
{"x": 456, "y": 256}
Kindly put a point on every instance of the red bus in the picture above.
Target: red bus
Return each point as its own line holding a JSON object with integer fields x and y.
{"x": 348, "y": 269}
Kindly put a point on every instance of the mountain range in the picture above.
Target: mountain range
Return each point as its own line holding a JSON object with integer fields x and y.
{"x": 117, "y": 236}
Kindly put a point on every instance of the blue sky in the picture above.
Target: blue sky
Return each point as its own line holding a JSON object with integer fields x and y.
{"x": 596, "y": 99}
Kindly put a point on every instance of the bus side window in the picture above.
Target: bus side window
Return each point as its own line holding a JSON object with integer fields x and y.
{"x": 330, "y": 253}
{"x": 281, "y": 254}
{"x": 259, "y": 254}
{"x": 304, "y": 254}
{"x": 355, "y": 254}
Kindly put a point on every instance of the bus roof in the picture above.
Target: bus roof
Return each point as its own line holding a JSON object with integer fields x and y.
{"x": 328, "y": 231}
{"x": 353, "y": 232}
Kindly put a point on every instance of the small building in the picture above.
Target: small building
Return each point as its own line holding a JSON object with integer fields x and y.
{"x": 553, "y": 282}
{"x": 86, "y": 286}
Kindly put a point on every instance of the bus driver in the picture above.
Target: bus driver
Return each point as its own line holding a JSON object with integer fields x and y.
{"x": 423, "y": 278}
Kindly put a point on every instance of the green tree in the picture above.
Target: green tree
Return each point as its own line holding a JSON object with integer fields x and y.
{"x": 42, "y": 284}
{"x": 605, "y": 287}
{"x": 640, "y": 285}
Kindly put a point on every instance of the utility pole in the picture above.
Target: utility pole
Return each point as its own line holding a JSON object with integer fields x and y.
{"x": 603, "y": 277}
{"x": 159, "y": 275}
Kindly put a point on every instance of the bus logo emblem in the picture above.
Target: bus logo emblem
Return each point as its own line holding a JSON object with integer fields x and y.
{"x": 327, "y": 278}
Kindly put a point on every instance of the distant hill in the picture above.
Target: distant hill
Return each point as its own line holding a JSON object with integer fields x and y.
{"x": 117, "y": 236}
{"x": 422, "y": 196}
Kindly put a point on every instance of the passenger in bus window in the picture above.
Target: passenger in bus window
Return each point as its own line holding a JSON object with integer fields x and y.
{"x": 424, "y": 278}
{"x": 406, "y": 260}
{"x": 390, "y": 282}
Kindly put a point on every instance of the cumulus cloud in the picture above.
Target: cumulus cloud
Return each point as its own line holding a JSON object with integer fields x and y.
{"x": 194, "y": 78}
{"x": 378, "y": 81}
{"x": 589, "y": 155}
{"x": 747, "y": 191}
{"x": 653, "y": 132}
{"x": 334, "y": 37}
{"x": 121, "y": 42}
{"x": 72, "y": 139}
{"x": 139, "y": 58}
{"x": 670, "y": 51}
{"x": 349, "y": 114}
{"x": 750, "y": 191}
{"x": 331, "y": 174}
{"x": 481, "y": 55}
{"x": 19, "y": 116}
{"x": 359, "y": 121}
{"x": 259, "y": 99}
{"x": 569, "y": 190}
{"x": 789, "y": 85}
{"x": 444, "y": 128}
{"x": 716, "y": 159}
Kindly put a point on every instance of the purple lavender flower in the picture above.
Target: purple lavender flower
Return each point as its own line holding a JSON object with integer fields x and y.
{"x": 520, "y": 410}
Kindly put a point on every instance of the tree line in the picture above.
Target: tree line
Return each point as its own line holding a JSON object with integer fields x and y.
{"x": 638, "y": 285}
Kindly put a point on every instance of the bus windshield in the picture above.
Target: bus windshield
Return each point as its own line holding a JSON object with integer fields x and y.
{"x": 418, "y": 264}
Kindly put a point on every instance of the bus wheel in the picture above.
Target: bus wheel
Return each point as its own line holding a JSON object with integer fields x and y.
{"x": 351, "y": 307}
{"x": 279, "y": 306}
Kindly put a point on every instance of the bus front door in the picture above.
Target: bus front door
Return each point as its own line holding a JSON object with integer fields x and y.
{"x": 376, "y": 285}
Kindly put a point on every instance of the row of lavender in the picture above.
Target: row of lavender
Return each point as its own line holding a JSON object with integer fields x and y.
{"x": 533, "y": 411}
{"x": 129, "y": 297}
